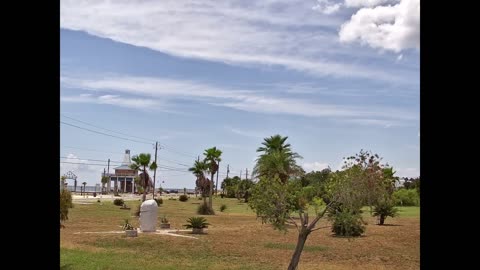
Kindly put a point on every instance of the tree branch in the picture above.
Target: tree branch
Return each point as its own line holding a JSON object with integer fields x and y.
{"x": 295, "y": 223}
{"x": 318, "y": 217}
{"x": 301, "y": 217}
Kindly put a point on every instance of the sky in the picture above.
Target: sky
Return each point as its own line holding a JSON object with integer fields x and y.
{"x": 334, "y": 76}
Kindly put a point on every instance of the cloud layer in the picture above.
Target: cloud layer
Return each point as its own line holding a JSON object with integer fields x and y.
{"x": 149, "y": 91}
{"x": 287, "y": 34}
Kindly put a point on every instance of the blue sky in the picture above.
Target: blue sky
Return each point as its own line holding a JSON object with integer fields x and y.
{"x": 333, "y": 76}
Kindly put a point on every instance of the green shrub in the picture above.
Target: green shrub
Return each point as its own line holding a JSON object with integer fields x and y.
{"x": 183, "y": 198}
{"x": 65, "y": 204}
{"x": 118, "y": 202}
{"x": 159, "y": 201}
{"x": 406, "y": 197}
{"x": 204, "y": 210}
{"x": 384, "y": 209}
{"x": 98, "y": 200}
{"x": 223, "y": 207}
{"x": 197, "y": 223}
{"x": 199, "y": 198}
{"x": 348, "y": 223}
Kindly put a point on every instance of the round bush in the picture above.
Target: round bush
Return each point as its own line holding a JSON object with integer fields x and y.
{"x": 346, "y": 223}
{"x": 118, "y": 202}
{"x": 183, "y": 198}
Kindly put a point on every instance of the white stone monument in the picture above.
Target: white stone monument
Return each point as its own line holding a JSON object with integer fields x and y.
{"x": 148, "y": 216}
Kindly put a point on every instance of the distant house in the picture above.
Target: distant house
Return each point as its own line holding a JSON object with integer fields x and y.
{"x": 124, "y": 177}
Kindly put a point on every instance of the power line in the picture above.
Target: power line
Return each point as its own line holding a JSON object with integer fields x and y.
{"x": 105, "y": 128}
{"x": 102, "y": 133}
{"x": 168, "y": 148}
{"x": 92, "y": 150}
{"x": 79, "y": 163}
{"x": 91, "y": 159}
{"x": 171, "y": 149}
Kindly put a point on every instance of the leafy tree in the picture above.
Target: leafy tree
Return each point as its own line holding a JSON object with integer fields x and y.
{"x": 212, "y": 158}
{"x": 275, "y": 199}
{"x": 230, "y": 186}
{"x": 142, "y": 162}
{"x": 244, "y": 189}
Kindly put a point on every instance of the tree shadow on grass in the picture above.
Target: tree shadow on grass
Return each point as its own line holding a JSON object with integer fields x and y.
{"x": 390, "y": 225}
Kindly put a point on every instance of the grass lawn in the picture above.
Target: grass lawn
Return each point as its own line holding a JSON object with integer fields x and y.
{"x": 235, "y": 240}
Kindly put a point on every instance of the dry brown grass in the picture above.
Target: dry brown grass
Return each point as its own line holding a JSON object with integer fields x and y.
{"x": 235, "y": 240}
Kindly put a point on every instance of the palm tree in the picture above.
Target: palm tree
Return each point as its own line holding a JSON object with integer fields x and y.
{"x": 84, "y": 184}
{"x": 199, "y": 168}
{"x": 277, "y": 160}
{"x": 212, "y": 157}
{"x": 141, "y": 162}
{"x": 274, "y": 143}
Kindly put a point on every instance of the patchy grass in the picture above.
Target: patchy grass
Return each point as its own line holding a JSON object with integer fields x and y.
{"x": 236, "y": 239}
{"x": 291, "y": 246}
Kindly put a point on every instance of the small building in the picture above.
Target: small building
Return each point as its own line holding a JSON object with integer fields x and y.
{"x": 124, "y": 177}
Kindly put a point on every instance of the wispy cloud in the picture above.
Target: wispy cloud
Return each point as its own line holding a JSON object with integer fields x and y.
{"x": 327, "y": 6}
{"x": 246, "y": 133}
{"x": 275, "y": 33}
{"x": 136, "y": 103}
{"x": 239, "y": 99}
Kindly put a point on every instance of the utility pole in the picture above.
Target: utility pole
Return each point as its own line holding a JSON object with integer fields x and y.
{"x": 240, "y": 174}
{"x": 246, "y": 173}
{"x": 216, "y": 185}
{"x": 109, "y": 181}
{"x": 103, "y": 186}
{"x": 155, "y": 170}
{"x": 198, "y": 158}
{"x": 228, "y": 170}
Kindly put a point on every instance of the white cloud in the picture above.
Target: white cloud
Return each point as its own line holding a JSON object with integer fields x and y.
{"x": 393, "y": 28}
{"x": 400, "y": 57}
{"x": 367, "y": 3}
{"x": 327, "y": 7}
{"x": 275, "y": 33}
{"x": 314, "y": 166}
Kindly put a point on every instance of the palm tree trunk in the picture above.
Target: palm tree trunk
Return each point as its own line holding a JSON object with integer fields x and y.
{"x": 302, "y": 238}
{"x": 145, "y": 181}
{"x": 210, "y": 192}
